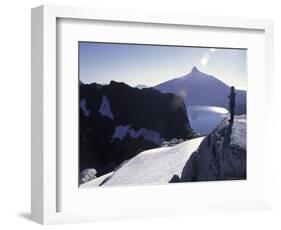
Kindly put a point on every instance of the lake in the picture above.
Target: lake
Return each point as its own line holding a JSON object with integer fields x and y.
{"x": 204, "y": 119}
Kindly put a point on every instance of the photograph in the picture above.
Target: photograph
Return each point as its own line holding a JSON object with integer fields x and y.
{"x": 155, "y": 114}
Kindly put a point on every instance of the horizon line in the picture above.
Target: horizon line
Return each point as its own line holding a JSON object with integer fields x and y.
{"x": 182, "y": 76}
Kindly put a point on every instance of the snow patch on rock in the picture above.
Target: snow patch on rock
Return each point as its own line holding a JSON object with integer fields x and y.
{"x": 105, "y": 108}
{"x": 122, "y": 130}
{"x": 84, "y": 108}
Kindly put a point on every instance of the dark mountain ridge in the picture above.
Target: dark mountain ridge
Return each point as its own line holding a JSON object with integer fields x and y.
{"x": 118, "y": 121}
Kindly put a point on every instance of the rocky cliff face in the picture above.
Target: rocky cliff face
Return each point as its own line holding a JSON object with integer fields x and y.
{"x": 118, "y": 121}
{"x": 220, "y": 156}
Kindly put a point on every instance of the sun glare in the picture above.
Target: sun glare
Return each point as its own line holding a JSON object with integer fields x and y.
{"x": 205, "y": 59}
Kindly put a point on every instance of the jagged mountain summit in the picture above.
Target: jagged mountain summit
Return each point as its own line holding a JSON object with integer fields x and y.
{"x": 198, "y": 88}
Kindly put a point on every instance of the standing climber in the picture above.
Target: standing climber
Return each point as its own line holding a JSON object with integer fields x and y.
{"x": 231, "y": 98}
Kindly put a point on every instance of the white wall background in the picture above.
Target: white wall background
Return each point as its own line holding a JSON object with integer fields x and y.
{"x": 15, "y": 112}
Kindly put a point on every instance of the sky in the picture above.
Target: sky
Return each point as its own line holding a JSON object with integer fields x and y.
{"x": 151, "y": 65}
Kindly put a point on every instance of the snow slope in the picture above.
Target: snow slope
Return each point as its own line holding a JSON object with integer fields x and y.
{"x": 155, "y": 166}
{"x": 96, "y": 182}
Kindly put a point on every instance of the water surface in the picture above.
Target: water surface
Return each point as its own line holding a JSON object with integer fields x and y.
{"x": 203, "y": 119}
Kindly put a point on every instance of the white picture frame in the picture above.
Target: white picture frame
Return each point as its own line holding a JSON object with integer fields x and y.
{"x": 46, "y": 182}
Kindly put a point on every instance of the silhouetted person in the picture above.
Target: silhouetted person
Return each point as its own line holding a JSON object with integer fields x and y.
{"x": 231, "y": 98}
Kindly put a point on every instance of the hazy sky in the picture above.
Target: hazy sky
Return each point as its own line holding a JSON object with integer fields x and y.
{"x": 151, "y": 64}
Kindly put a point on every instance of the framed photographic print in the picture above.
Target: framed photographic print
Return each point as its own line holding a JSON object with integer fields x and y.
{"x": 139, "y": 123}
{"x": 143, "y": 114}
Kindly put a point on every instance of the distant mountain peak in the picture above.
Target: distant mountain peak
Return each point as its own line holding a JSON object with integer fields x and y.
{"x": 199, "y": 88}
{"x": 195, "y": 70}
{"x": 141, "y": 86}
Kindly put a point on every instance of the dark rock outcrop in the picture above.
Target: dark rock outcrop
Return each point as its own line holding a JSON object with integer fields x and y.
{"x": 220, "y": 156}
{"x": 118, "y": 121}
